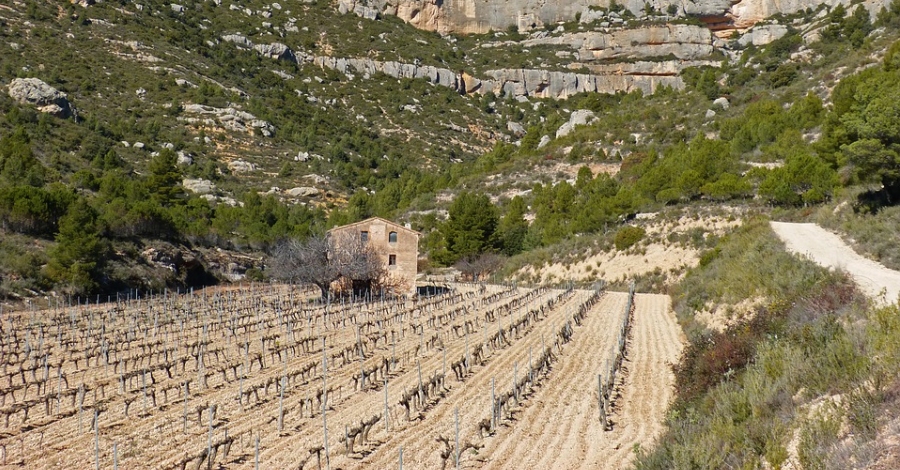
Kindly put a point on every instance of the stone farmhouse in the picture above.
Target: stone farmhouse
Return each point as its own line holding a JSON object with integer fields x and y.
{"x": 396, "y": 245}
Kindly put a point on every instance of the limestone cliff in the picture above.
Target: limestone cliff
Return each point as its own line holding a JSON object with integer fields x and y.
{"x": 482, "y": 16}
{"x": 627, "y": 77}
{"x": 746, "y": 13}
{"x": 678, "y": 40}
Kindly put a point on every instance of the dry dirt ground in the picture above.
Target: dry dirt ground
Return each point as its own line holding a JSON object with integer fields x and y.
{"x": 827, "y": 249}
{"x": 241, "y": 351}
{"x": 655, "y": 254}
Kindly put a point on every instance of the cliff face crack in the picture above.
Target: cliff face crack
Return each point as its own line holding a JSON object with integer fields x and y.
{"x": 661, "y": 74}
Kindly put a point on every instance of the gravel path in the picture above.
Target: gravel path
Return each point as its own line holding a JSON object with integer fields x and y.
{"x": 827, "y": 249}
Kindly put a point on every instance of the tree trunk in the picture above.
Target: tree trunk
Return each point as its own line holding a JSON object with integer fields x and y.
{"x": 325, "y": 288}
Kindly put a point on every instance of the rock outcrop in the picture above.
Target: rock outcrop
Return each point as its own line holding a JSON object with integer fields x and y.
{"x": 474, "y": 16}
{"x": 198, "y": 186}
{"x": 302, "y": 191}
{"x": 276, "y": 50}
{"x": 689, "y": 44}
{"x": 561, "y": 85}
{"x": 241, "y": 166}
{"x": 746, "y": 13}
{"x": 369, "y": 67}
{"x": 515, "y": 82}
{"x": 360, "y": 9}
{"x": 228, "y": 118}
{"x": 483, "y": 16}
{"x": 178, "y": 266}
{"x": 686, "y": 42}
{"x": 46, "y": 98}
{"x": 761, "y": 35}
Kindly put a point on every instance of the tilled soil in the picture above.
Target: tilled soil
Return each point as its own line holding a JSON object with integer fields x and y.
{"x": 67, "y": 363}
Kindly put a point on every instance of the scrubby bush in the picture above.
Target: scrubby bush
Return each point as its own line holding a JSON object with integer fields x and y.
{"x": 628, "y": 236}
{"x": 741, "y": 392}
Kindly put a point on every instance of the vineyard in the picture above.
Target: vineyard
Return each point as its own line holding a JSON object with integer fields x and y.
{"x": 476, "y": 376}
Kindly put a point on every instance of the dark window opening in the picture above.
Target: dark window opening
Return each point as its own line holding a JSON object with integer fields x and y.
{"x": 392, "y": 260}
{"x": 364, "y": 236}
{"x": 392, "y": 237}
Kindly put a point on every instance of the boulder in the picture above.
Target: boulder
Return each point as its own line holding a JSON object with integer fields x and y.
{"x": 283, "y": 75}
{"x": 198, "y": 186}
{"x": 580, "y": 117}
{"x": 35, "y": 92}
{"x": 544, "y": 141}
{"x": 240, "y": 166}
{"x": 302, "y": 191}
{"x": 185, "y": 159}
{"x": 721, "y": 102}
{"x": 239, "y": 40}
{"x": 516, "y": 128}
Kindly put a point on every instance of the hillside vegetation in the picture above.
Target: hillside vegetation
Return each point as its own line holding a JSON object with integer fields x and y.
{"x": 808, "y": 380}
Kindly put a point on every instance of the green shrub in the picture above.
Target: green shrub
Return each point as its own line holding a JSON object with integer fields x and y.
{"x": 628, "y": 236}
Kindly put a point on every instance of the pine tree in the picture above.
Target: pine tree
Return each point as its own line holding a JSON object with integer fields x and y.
{"x": 76, "y": 259}
{"x": 513, "y": 227}
{"x": 470, "y": 226}
{"x": 164, "y": 180}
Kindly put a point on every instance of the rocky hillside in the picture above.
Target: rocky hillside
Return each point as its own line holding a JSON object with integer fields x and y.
{"x": 175, "y": 129}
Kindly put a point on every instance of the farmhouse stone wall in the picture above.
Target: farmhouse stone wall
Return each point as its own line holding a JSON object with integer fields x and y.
{"x": 399, "y": 253}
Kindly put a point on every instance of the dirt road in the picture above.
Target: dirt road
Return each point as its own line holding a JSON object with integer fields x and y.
{"x": 827, "y": 249}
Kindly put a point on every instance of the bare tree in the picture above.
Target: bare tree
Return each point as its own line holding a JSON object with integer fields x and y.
{"x": 323, "y": 260}
{"x": 309, "y": 261}
{"x": 478, "y": 267}
{"x": 359, "y": 264}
